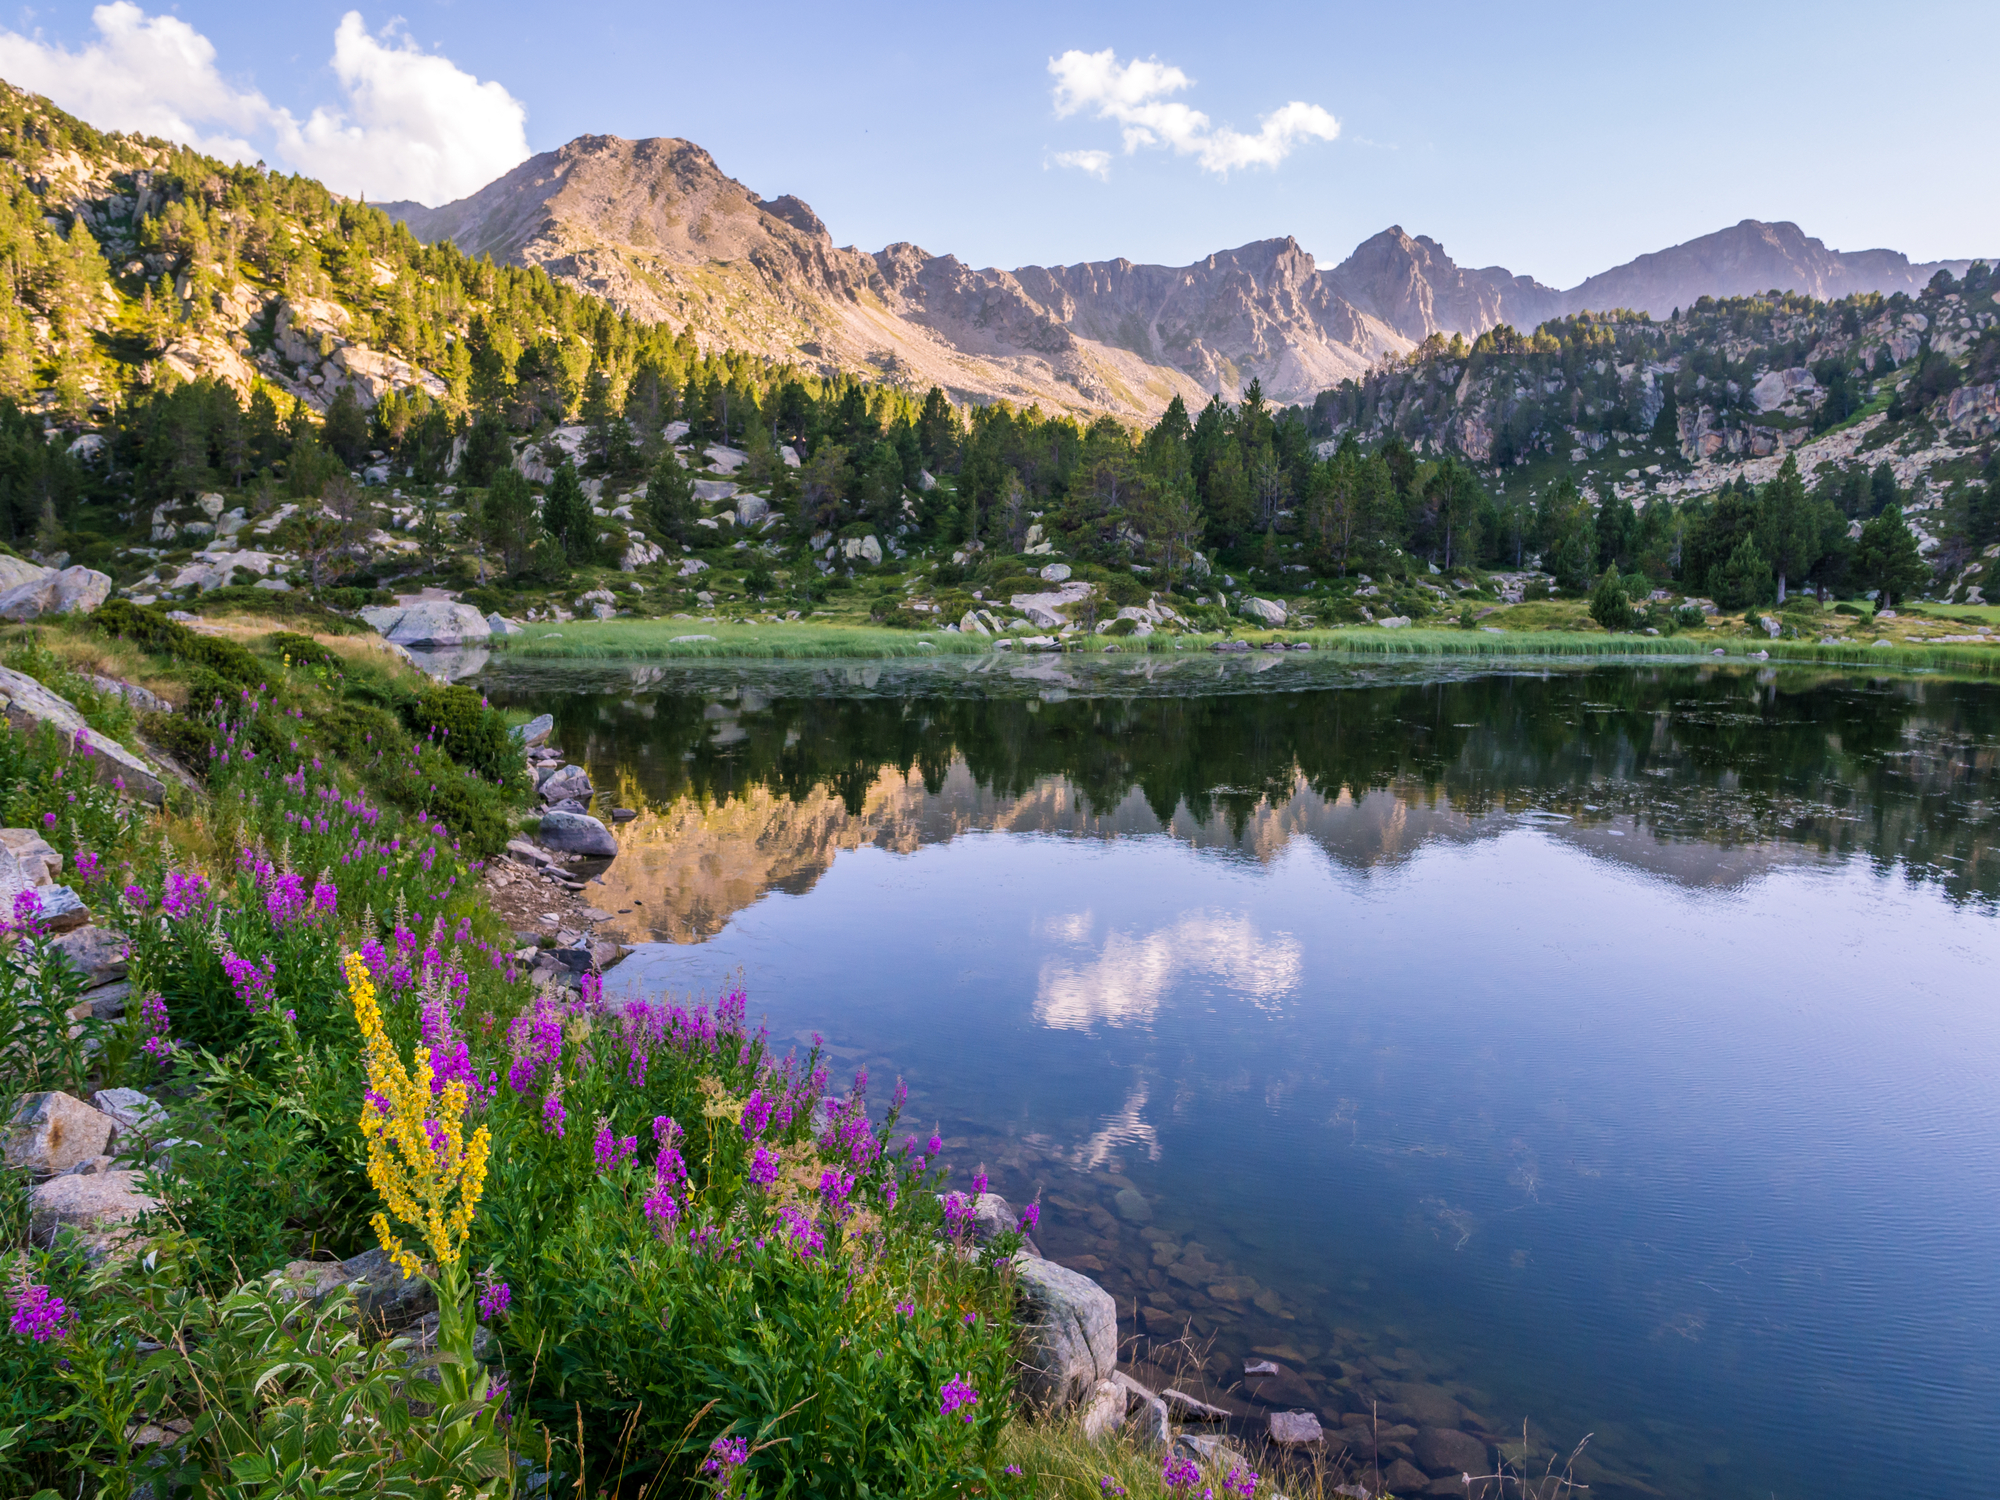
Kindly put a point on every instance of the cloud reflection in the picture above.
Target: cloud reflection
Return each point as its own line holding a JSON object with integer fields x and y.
{"x": 1126, "y": 1128}
{"x": 1125, "y": 983}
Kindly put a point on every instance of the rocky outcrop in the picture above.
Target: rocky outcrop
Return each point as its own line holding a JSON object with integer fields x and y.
{"x": 432, "y": 623}
{"x": 72, "y": 591}
{"x": 1070, "y": 1334}
{"x": 28, "y": 705}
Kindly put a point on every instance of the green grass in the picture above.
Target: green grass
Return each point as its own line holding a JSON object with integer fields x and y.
{"x": 657, "y": 638}
{"x": 1958, "y": 614}
{"x": 652, "y": 639}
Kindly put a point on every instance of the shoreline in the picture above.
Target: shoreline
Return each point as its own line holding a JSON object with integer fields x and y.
{"x": 717, "y": 641}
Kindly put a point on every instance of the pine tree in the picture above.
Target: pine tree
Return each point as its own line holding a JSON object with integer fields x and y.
{"x": 1886, "y": 558}
{"x": 566, "y": 514}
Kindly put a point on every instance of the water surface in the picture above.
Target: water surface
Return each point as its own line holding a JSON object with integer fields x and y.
{"x": 1611, "y": 1048}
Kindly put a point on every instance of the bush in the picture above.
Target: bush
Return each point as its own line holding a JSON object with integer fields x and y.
{"x": 154, "y": 631}
{"x": 301, "y": 650}
{"x": 1608, "y": 605}
{"x": 467, "y": 730}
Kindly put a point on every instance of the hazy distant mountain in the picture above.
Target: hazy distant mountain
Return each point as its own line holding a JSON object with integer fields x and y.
{"x": 1748, "y": 258}
{"x": 655, "y": 227}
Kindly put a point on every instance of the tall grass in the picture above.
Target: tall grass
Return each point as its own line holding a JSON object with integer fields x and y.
{"x": 652, "y": 639}
{"x": 627, "y": 639}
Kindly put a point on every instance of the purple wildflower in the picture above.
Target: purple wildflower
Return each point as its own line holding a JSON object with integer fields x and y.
{"x": 725, "y": 1456}
{"x": 1110, "y": 1486}
{"x": 611, "y": 1149}
{"x": 38, "y": 1314}
{"x": 1240, "y": 1483}
{"x": 904, "y": 1309}
{"x": 494, "y": 1299}
{"x": 957, "y": 1214}
{"x": 27, "y": 911}
{"x": 1030, "y": 1217}
{"x": 86, "y": 867}
{"x": 159, "y": 1044}
{"x": 764, "y": 1167}
{"x": 1179, "y": 1474}
{"x": 979, "y": 1181}
{"x": 955, "y": 1395}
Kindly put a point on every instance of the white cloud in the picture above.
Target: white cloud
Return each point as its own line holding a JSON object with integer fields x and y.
{"x": 413, "y": 125}
{"x": 1133, "y": 96}
{"x": 1096, "y": 163}
{"x": 1125, "y": 983}
{"x": 154, "y": 75}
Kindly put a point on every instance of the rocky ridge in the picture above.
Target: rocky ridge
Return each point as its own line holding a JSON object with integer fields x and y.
{"x": 655, "y": 227}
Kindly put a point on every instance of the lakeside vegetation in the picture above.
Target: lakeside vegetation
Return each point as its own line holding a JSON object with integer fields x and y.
{"x": 346, "y": 1050}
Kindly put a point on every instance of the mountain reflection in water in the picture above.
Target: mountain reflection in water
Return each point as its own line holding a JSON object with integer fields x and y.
{"x": 1608, "y": 1047}
{"x": 1707, "y": 776}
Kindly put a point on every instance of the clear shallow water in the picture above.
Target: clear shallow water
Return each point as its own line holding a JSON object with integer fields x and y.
{"x": 1612, "y": 1049}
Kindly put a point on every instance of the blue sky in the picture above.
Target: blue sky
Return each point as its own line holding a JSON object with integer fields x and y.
{"x": 1556, "y": 140}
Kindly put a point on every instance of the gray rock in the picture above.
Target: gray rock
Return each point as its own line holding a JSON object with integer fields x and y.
{"x": 1104, "y": 1410}
{"x": 569, "y": 783}
{"x": 72, "y": 591}
{"x": 35, "y": 862}
{"x": 98, "y": 1206}
{"x": 1445, "y": 1450}
{"x": 97, "y": 952}
{"x": 1055, "y": 573}
{"x": 439, "y": 622}
{"x": 1270, "y": 611}
{"x": 51, "y": 1132}
{"x": 1145, "y": 1412}
{"x": 624, "y": 814}
{"x": 1192, "y": 1408}
{"x": 1068, "y": 1332}
{"x": 1131, "y": 1204}
{"x": 1297, "y": 1429}
{"x": 143, "y": 699}
{"x": 387, "y": 1298}
{"x": 750, "y": 509}
{"x": 527, "y": 853}
{"x": 62, "y": 909}
{"x": 27, "y": 704}
{"x": 131, "y": 1111}
{"x": 15, "y": 571}
{"x": 536, "y": 731}
{"x": 382, "y": 618}
{"x": 107, "y": 1002}
{"x": 500, "y": 625}
{"x": 576, "y": 833}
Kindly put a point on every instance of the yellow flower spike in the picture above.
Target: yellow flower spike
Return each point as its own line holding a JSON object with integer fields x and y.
{"x": 429, "y": 1175}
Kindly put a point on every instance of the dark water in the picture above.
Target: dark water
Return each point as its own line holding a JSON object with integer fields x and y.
{"x": 1613, "y": 1049}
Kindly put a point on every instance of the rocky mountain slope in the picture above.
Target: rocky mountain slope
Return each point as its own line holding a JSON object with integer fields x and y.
{"x": 656, "y": 228}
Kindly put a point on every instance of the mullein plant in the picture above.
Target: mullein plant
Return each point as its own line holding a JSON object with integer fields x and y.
{"x": 430, "y": 1175}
